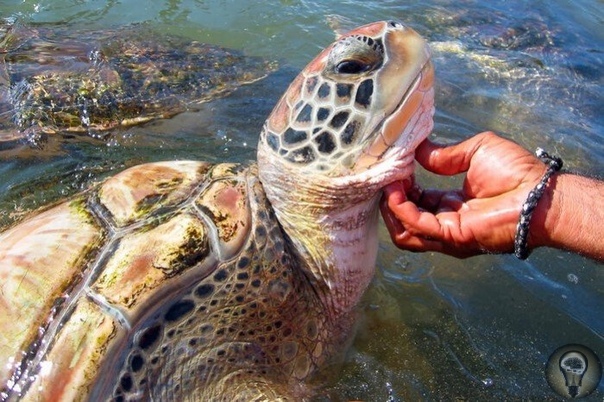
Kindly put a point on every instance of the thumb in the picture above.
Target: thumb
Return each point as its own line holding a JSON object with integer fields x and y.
{"x": 452, "y": 159}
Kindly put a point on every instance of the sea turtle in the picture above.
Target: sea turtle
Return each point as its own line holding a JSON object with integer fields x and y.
{"x": 187, "y": 280}
{"x": 59, "y": 80}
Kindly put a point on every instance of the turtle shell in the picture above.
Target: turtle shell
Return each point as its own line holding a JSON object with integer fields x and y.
{"x": 157, "y": 282}
{"x": 56, "y": 80}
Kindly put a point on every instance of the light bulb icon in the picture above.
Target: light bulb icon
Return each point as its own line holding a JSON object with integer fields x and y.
{"x": 573, "y": 371}
{"x": 573, "y": 365}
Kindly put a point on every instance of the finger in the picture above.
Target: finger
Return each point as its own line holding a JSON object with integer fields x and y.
{"x": 394, "y": 226}
{"x": 414, "y": 192}
{"x": 420, "y": 244}
{"x": 430, "y": 200}
{"x": 434, "y": 200}
{"x": 452, "y": 159}
{"x": 452, "y": 201}
{"x": 409, "y": 184}
{"x": 396, "y": 192}
{"x": 416, "y": 241}
{"x": 403, "y": 238}
{"x": 443, "y": 225}
{"x": 422, "y": 223}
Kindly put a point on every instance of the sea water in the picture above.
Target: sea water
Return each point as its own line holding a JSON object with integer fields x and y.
{"x": 433, "y": 327}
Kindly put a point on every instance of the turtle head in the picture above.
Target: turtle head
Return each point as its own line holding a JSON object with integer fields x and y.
{"x": 365, "y": 101}
{"x": 347, "y": 126}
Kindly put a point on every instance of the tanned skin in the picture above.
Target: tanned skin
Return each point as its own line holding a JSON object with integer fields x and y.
{"x": 481, "y": 217}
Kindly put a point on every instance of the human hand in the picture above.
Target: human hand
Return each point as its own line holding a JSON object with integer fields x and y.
{"x": 481, "y": 216}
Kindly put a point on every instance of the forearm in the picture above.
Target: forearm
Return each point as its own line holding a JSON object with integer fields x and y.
{"x": 570, "y": 216}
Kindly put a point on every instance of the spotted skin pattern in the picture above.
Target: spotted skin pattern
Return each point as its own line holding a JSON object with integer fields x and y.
{"x": 328, "y": 115}
{"x": 185, "y": 280}
{"x": 246, "y": 336}
{"x": 331, "y": 107}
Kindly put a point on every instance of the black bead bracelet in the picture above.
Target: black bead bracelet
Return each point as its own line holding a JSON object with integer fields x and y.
{"x": 554, "y": 164}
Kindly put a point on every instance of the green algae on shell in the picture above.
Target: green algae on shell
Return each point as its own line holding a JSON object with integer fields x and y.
{"x": 54, "y": 80}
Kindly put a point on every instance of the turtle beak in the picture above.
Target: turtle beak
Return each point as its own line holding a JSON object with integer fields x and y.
{"x": 407, "y": 126}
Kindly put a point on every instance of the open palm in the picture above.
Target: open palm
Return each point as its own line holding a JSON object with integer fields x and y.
{"x": 481, "y": 216}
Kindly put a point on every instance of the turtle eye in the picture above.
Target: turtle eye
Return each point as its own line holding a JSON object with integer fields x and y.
{"x": 352, "y": 67}
{"x": 355, "y": 55}
{"x": 395, "y": 24}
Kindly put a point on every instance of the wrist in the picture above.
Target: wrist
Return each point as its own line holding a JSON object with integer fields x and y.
{"x": 570, "y": 216}
{"x": 521, "y": 244}
{"x": 547, "y": 214}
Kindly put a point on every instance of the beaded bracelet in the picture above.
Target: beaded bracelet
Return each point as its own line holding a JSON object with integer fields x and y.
{"x": 554, "y": 164}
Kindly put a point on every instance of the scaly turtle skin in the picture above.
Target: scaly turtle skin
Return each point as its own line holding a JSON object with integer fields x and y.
{"x": 190, "y": 281}
{"x": 89, "y": 82}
